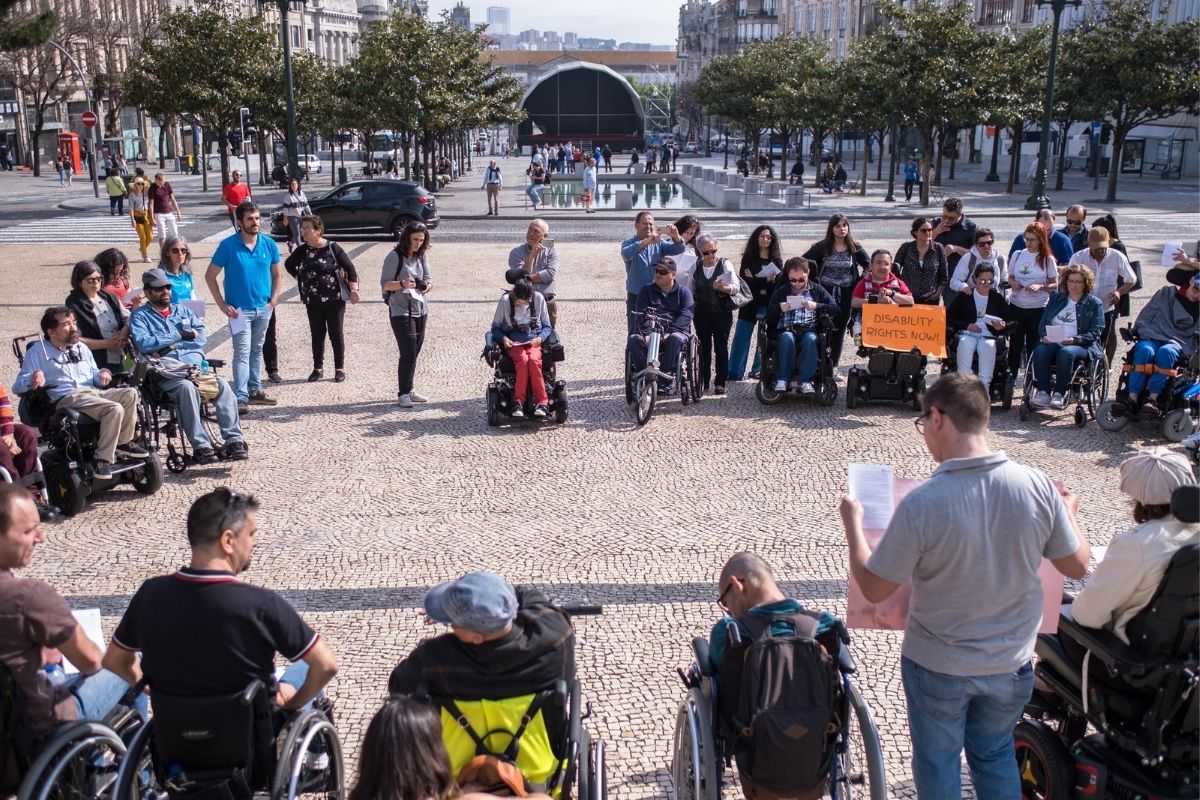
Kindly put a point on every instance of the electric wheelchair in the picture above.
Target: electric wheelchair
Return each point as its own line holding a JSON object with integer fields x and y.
{"x": 233, "y": 747}
{"x": 500, "y": 396}
{"x": 70, "y": 439}
{"x": 1178, "y": 403}
{"x": 704, "y": 744}
{"x": 823, "y": 380}
{"x": 641, "y": 388}
{"x": 543, "y": 735}
{"x": 1142, "y": 700}
{"x": 1087, "y": 392}
{"x": 79, "y": 760}
{"x": 889, "y": 375}
{"x": 162, "y": 417}
{"x": 1000, "y": 390}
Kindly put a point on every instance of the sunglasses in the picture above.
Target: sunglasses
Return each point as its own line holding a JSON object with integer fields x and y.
{"x": 183, "y": 251}
{"x": 985, "y": 243}
{"x": 708, "y": 252}
{"x": 797, "y": 280}
{"x": 987, "y": 281}
{"x": 721, "y": 598}
{"x": 158, "y": 288}
{"x": 662, "y": 272}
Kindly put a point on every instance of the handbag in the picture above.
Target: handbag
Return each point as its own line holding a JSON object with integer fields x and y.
{"x": 1123, "y": 307}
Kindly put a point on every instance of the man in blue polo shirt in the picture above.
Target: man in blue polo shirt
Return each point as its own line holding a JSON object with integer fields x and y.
{"x": 641, "y": 252}
{"x": 252, "y": 284}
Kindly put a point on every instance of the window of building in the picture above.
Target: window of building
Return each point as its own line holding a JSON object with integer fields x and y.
{"x": 1027, "y": 11}
{"x": 295, "y": 36}
{"x": 768, "y": 7}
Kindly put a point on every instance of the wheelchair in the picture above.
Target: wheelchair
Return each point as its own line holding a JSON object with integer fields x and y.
{"x": 641, "y": 388}
{"x": 1178, "y": 403}
{"x": 500, "y": 392}
{"x": 822, "y": 380}
{"x": 1088, "y": 390}
{"x": 890, "y": 376}
{"x": 79, "y": 760}
{"x": 1142, "y": 701}
{"x": 1000, "y": 390}
{"x": 158, "y": 408}
{"x": 579, "y": 769}
{"x": 227, "y": 748}
{"x": 70, "y": 440}
{"x": 701, "y": 749}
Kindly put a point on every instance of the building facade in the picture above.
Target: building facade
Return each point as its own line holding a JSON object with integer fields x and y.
{"x": 499, "y": 20}
{"x": 460, "y": 15}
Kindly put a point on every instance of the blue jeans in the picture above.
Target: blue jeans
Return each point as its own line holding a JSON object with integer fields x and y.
{"x": 187, "y": 404}
{"x": 97, "y": 694}
{"x": 247, "y": 352}
{"x": 668, "y": 353}
{"x": 806, "y": 365}
{"x": 294, "y": 675}
{"x": 1160, "y": 354}
{"x": 534, "y": 190}
{"x": 1063, "y": 357}
{"x": 739, "y": 352}
{"x": 947, "y": 713}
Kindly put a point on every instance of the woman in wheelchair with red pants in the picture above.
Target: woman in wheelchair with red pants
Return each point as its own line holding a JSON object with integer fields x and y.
{"x": 520, "y": 326}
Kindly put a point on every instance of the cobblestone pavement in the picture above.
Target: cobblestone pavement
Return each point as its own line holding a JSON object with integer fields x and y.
{"x": 365, "y": 504}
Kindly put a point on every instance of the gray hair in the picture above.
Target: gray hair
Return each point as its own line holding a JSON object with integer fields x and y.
{"x": 703, "y": 239}
{"x": 164, "y": 255}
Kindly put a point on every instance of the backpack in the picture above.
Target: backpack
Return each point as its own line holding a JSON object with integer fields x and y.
{"x": 788, "y": 706}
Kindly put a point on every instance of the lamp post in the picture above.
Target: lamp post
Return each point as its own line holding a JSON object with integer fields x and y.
{"x": 993, "y": 176}
{"x": 1037, "y": 199}
{"x": 293, "y": 156}
{"x": 91, "y": 103}
{"x": 891, "y": 195}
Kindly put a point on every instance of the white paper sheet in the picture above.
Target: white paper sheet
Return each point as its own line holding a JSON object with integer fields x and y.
{"x": 130, "y": 296}
{"x": 871, "y": 485}
{"x": 1058, "y": 333}
{"x": 237, "y": 325}
{"x": 416, "y": 295}
{"x": 990, "y": 320}
{"x": 796, "y": 301}
{"x": 89, "y": 619}
{"x": 1169, "y": 251}
{"x": 768, "y": 271}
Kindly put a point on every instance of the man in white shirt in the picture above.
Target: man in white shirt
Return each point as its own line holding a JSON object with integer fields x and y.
{"x": 1107, "y": 265}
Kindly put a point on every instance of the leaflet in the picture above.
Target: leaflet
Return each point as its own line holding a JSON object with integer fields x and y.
{"x": 871, "y": 485}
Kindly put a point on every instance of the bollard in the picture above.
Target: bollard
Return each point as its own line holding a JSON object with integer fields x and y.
{"x": 722, "y": 178}
{"x": 624, "y": 199}
{"x": 731, "y": 199}
{"x": 736, "y": 181}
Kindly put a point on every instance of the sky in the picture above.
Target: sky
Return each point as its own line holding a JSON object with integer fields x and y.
{"x": 653, "y": 21}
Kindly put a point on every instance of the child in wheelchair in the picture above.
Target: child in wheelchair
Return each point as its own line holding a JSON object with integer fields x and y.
{"x": 523, "y": 348}
{"x": 793, "y": 317}
{"x": 977, "y": 341}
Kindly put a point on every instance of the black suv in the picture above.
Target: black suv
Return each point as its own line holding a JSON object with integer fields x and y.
{"x": 370, "y": 206}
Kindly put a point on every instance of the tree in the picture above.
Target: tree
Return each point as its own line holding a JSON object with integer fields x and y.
{"x": 1136, "y": 71}
{"x": 939, "y": 56}
{"x": 727, "y": 87}
{"x": 869, "y": 93}
{"x": 26, "y": 31}
{"x": 795, "y": 73}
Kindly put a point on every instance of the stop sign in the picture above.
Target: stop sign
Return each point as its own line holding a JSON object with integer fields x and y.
{"x": 89, "y": 119}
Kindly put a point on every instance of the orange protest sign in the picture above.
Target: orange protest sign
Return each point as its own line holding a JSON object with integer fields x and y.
{"x": 903, "y": 328}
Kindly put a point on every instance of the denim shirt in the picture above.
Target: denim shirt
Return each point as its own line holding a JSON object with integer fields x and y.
{"x": 152, "y": 333}
{"x": 639, "y": 264}
{"x": 66, "y": 370}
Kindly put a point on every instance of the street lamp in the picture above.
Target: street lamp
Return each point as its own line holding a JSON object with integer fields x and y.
{"x": 1037, "y": 199}
{"x": 91, "y": 103}
{"x": 293, "y": 156}
{"x": 891, "y": 195}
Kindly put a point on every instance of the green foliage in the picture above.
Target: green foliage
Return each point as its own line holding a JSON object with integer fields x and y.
{"x": 24, "y": 31}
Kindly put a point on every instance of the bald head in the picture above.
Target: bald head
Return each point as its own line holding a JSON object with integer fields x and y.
{"x": 747, "y": 566}
{"x": 746, "y": 581}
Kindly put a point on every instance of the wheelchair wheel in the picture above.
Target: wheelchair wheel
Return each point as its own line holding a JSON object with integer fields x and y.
{"x": 560, "y": 411}
{"x": 1080, "y": 417}
{"x": 1045, "y": 766}
{"x": 598, "y": 784}
{"x": 827, "y": 394}
{"x": 149, "y": 478}
{"x": 80, "y": 762}
{"x": 628, "y": 380}
{"x": 858, "y": 767}
{"x": 64, "y": 486}
{"x": 493, "y": 407}
{"x": 137, "y": 763}
{"x": 311, "y": 759}
{"x": 1112, "y": 415}
{"x": 694, "y": 371}
{"x": 645, "y": 390}
{"x": 851, "y": 391}
{"x": 1007, "y": 398}
{"x": 695, "y": 767}
{"x": 1025, "y": 410}
{"x": 1177, "y": 425}
{"x": 583, "y": 775}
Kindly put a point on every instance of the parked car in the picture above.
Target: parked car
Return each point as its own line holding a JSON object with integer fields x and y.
{"x": 691, "y": 148}
{"x": 369, "y": 207}
{"x": 310, "y": 163}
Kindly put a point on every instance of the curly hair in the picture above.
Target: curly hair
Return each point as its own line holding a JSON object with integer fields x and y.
{"x": 1089, "y": 279}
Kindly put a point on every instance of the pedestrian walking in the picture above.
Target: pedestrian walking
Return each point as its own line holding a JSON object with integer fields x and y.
{"x": 912, "y": 178}
{"x": 68, "y": 171}
{"x": 164, "y": 208}
{"x": 970, "y": 540}
{"x": 234, "y": 194}
{"x": 406, "y": 280}
{"x": 493, "y": 181}
{"x": 327, "y": 281}
{"x": 58, "y": 167}
{"x": 140, "y": 215}
{"x": 607, "y": 151}
{"x": 252, "y": 282}
{"x": 295, "y": 206}
{"x": 116, "y": 193}
{"x": 633, "y": 162}
{"x": 589, "y": 184}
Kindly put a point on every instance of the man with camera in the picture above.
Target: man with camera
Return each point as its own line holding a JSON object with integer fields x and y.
{"x": 173, "y": 333}
{"x": 642, "y": 252}
{"x": 536, "y": 260}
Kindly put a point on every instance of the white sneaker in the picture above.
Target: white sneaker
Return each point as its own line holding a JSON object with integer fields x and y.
{"x": 417, "y": 398}
{"x": 781, "y": 386}
{"x": 539, "y": 411}
{"x": 405, "y": 401}
{"x": 1040, "y": 399}
{"x": 807, "y": 388}
{"x": 517, "y": 413}
{"x": 1056, "y": 401}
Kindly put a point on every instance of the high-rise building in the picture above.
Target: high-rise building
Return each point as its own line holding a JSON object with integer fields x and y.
{"x": 460, "y": 15}
{"x": 499, "y": 20}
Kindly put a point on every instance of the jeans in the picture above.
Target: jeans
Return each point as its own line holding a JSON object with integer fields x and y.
{"x": 410, "y": 336}
{"x": 534, "y": 191}
{"x": 947, "y": 713}
{"x": 970, "y": 344}
{"x": 116, "y": 205}
{"x": 527, "y": 360}
{"x": 1160, "y": 354}
{"x": 668, "y": 353}
{"x": 712, "y": 329}
{"x": 99, "y": 693}
{"x": 186, "y": 397}
{"x": 248, "y": 352}
{"x": 293, "y": 232}
{"x": 322, "y": 318}
{"x": 805, "y": 365}
{"x": 1063, "y": 357}
{"x": 740, "y": 352}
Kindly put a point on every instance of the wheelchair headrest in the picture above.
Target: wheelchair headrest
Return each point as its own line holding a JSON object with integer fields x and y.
{"x": 1185, "y": 503}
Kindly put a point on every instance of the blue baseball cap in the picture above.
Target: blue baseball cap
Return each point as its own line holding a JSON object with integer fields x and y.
{"x": 478, "y": 601}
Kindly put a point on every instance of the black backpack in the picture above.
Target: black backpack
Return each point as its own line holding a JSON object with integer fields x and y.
{"x": 785, "y": 716}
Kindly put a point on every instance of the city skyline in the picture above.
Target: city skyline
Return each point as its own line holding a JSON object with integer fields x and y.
{"x": 623, "y": 20}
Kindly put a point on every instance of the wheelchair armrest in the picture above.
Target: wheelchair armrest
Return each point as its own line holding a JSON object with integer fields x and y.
{"x": 846, "y": 661}
{"x": 700, "y": 650}
{"x": 252, "y": 689}
{"x": 1104, "y": 645}
{"x": 1127, "y": 334}
{"x": 216, "y": 363}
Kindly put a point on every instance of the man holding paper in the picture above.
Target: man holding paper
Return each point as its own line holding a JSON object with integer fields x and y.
{"x": 971, "y": 540}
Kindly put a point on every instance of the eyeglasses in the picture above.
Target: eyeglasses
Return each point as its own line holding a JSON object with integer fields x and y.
{"x": 1074, "y": 223}
{"x": 919, "y": 422}
{"x": 797, "y": 280}
{"x": 985, "y": 281}
{"x": 708, "y": 252}
{"x": 662, "y": 272}
{"x": 721, "y": 597}
{"x": 183, "y": 251}
{"x": 158, "y": 288}
{"x": 93, "y": 279}
{"x": 985, "y": 243}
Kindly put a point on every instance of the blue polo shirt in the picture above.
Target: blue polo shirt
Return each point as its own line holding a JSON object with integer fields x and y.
{"x": 247, "y": 271}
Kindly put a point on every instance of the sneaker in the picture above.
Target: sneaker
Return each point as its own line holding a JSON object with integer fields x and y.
{"x": 132, "y": 450}
{"x": 47, "y": 513}
{"x": 754, "y": 375}
{"x": 1040, "y": 399}
{"x": 539, "y": 411}
{"x": 237, "y": 450}
{"x": 317, "y": 762}
{"x": 204, "y": 455}
{"x": 315, "y": 376}
{"x": 1150, "y": 408}
{"x": 1057, "y": 402}
{"x": 719, "y": 389}
{"x": 418, "y": 398}
{"x": 807, "y": 388}
{"x": 260, "y": 398}
{"x": 518, "y": 412}
{"x": 781, "y": 386}
{"x": 405, "y": 401}
{"x": 102, "y": 469}
{"x": 243, "y": 408}
{"x": 274, "y": 377}
{"x": 339, "y": 375}
{"x": 1132, "y": 399}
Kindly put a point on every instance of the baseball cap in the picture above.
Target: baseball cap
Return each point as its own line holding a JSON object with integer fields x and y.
{"x": 514, "y": 274}
{"x": 154, "y": 279}
{"x": 478, "y": 601}
{"x": 667, "y": 264}
{"x": 1151, "y": 475}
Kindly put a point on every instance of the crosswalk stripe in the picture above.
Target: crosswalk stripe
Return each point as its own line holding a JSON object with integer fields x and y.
{"x": 73, "y": 230}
